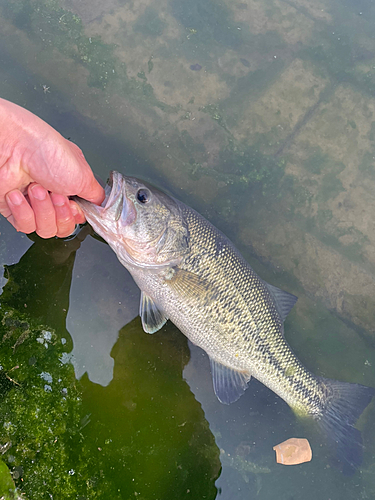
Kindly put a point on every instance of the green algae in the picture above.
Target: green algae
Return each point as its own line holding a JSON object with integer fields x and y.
{"x": 57, "y": 28}
{"x": 241, "y": 170}
{"x": 41, "y": 406}
{"x": 73, "y": 439}
{"x": 246, "y": 167}
{"x": 67, "y": 445}
{"x": 214, "y": 111}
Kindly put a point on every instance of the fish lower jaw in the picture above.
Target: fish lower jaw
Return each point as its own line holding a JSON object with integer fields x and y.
{"x": 99, "y": 228}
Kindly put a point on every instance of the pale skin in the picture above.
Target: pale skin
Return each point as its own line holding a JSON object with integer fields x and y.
{"x": 39, "y": 170}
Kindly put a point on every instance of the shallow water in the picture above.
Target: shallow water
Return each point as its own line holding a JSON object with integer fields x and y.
{"x": 272, "y": 139}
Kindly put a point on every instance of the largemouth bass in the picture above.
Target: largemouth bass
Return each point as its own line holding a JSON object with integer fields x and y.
{"x": 190, "y": 273}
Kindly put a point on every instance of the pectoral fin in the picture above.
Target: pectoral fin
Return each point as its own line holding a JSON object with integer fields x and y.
{"x": 152, "y": 317}
{"x": 229, "y": 384}
{"x": 191, "y": 286}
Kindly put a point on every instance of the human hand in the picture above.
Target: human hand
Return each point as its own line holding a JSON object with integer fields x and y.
{"x": 39, "y": 169}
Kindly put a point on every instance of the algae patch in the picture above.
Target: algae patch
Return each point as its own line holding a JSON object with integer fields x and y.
{"x": 40, "y": 407}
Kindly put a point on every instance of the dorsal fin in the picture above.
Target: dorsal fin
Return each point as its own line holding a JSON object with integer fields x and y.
{"x": 152, "y": 317}
{"x": 284, "y": 301}
{"x": 229, "y": 384}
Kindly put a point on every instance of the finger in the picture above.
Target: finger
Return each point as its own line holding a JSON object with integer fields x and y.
{"x": 77, "y": 212}
{"x": 44, "y": 211}
{"x": 65, "y": 221}
{"x": 93, "y": 191}
{"x": 22, "y": 215}
{"x": 89, "y": 187}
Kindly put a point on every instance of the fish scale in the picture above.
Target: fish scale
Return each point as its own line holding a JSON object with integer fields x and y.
{"x": 256, "y": 329}
{"x": 191, "y": 273}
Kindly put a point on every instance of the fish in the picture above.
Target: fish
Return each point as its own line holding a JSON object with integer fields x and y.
{"x": 190, "y": 273}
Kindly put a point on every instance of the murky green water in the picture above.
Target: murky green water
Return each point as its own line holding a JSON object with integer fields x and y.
{"x": 261, "y": 115}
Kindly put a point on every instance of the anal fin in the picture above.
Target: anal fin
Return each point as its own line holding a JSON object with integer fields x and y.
{"x": 229, "y": 384}
{"x": 152, "y": 317}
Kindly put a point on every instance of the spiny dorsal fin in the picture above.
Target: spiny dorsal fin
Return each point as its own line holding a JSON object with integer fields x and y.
{"x": 229, "y": 384}
{"x": 284, "y": 301}
{"x": 152, "y": 317}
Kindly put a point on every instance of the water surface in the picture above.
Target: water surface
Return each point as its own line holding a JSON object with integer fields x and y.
{"x": 261, "y": 115}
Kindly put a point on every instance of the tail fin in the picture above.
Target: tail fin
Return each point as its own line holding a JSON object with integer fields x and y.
{"x": 344, "y": 405}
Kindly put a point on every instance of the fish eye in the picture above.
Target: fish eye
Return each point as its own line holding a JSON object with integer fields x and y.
{"x": 143, "y": 195}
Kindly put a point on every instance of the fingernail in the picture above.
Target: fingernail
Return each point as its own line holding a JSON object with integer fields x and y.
{"x": 39, "y": 192}
{"x": 15, "y": 197}
{"x": 74, "y": 210}
{"x": 58, "y": 200}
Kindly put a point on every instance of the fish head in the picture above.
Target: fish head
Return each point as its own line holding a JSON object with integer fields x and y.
{"x": 143, "y": 225}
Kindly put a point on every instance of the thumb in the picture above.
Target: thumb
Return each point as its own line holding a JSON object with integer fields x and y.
{"x": 92, "y": 191}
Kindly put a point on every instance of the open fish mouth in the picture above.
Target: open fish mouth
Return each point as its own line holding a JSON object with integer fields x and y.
{"x": 112, "y": 190}
{"x": 113, "y": 196}
{"x": 114, "y": 206}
